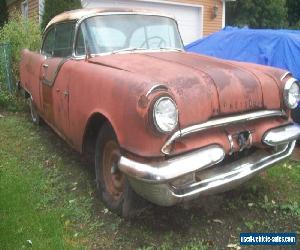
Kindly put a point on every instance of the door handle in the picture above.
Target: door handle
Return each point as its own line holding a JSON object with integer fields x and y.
{"x": 45, "y": 66}
{"x": 66, "y": 93}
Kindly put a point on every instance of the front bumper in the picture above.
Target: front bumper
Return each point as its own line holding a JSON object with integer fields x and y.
{"x": 198, "y": 173}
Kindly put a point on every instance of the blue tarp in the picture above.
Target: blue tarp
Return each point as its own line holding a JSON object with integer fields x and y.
{"x": 278, "y": 48}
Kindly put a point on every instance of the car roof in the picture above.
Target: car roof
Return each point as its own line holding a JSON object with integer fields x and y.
{"x": 74, "y": 15}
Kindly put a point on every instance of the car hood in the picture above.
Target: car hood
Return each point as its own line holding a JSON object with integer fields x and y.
{"x": 203, "y": 86}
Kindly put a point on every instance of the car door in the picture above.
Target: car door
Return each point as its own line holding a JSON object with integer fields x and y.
{"x": 54, "y": 86}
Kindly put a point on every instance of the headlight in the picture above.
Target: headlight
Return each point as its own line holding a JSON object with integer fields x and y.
{"x": 165, "y": 115}
{"x": 291, "y": 93}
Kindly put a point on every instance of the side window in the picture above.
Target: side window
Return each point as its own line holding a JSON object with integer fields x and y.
{"x": 80, "y": 48}
{"x": 48, "y": 44}
{"x": 64, "y": 36}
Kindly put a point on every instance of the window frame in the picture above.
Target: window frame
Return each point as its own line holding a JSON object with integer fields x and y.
{"x": 79, "y": 26}
{"x": 54, "y": 26}
{"x": 81, "y": 21}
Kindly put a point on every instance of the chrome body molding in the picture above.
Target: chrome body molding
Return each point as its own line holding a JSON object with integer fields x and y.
{"x": 218, "y": 122}
{"x": 285, "y": 75}
{"x": 281, "y": 135}
{"x": 165, "y": 171}
{"x": 203, "y": 171}
{"x": 155, "y": 88}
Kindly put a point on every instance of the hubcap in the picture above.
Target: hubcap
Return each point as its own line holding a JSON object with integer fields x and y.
{"x": 113, "y": 177}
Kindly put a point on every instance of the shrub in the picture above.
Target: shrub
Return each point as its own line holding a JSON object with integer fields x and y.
{"x": 54, "y": 7}
{"x": 21, "y": 34}
{"x": 10, "y": 101}
{"x": 257, "y": 13}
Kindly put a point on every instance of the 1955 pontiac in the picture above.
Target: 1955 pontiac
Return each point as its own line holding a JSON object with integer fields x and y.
{"x": 161, "y": 123}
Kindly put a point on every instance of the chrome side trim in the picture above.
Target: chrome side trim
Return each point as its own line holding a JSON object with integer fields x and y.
{"x": 218, "y": 122}
{"x": 281, "y": 135}
{"x": 165, "y": 171}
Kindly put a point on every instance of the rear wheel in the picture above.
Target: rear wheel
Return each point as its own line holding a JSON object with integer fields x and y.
{"x": 112, "y": 184}
{"x": 33, "y": 112}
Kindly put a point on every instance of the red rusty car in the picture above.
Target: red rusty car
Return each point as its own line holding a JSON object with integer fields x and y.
{"x": 161, "y": 123}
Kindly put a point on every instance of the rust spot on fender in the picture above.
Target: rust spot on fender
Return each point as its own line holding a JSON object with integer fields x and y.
{"x": 143, "y": 102}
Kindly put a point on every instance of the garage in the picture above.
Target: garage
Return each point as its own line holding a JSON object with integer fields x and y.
{"x": 188, "y": 16}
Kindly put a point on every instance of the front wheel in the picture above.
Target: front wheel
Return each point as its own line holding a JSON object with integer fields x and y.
{"x": 112, "y": 184}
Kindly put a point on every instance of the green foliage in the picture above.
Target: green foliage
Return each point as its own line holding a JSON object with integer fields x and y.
{"x": 294, "y": 13}
{"x": 3, "y": 12}
{"x": 54, "y": 7}
{"x": 9, "y": 101}
{"x": 5, "y": 97}
{"x": 257, "y": 13}
{"x": 21, "y": 34}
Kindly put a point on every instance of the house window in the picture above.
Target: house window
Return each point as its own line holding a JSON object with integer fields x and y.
{"x": 41, "y": 10}
{"x": 24, "y": 9}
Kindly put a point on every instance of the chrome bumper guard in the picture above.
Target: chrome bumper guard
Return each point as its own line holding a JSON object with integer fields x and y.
{"x": 158, "y": 181}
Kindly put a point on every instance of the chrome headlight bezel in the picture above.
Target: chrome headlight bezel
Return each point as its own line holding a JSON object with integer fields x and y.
{"x": 287, "y": 92}
{"x": 157, "y": 125}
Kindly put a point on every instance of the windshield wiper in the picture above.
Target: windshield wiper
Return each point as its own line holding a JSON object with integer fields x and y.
{"x": 168, "y": 48}
{"x": 127, "y": 49}
{"x": 135, "y": 49}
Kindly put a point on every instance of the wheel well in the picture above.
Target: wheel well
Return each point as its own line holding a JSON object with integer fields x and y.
{"x": 91, "y": 132}
{"x": 23, "y": 91}
{"x": 26, "y": 95}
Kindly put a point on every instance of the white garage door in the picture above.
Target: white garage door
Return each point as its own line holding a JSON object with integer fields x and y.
{"x": 189, "y": 17}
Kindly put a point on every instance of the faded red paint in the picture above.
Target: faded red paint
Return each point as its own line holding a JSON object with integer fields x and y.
{"x": 116, "y": 87}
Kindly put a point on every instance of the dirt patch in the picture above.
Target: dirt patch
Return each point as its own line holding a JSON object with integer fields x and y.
{"x": 296, "y": 154}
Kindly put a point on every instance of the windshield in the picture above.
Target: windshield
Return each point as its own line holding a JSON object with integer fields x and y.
{"x": 122, "y": 32}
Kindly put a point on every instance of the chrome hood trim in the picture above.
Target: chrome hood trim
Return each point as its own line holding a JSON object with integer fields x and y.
{"x": 218, "y": 122}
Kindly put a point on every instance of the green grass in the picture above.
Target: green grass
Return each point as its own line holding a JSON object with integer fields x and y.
{"x": 29, "y": 207}
{"x": 48, "y": 196}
